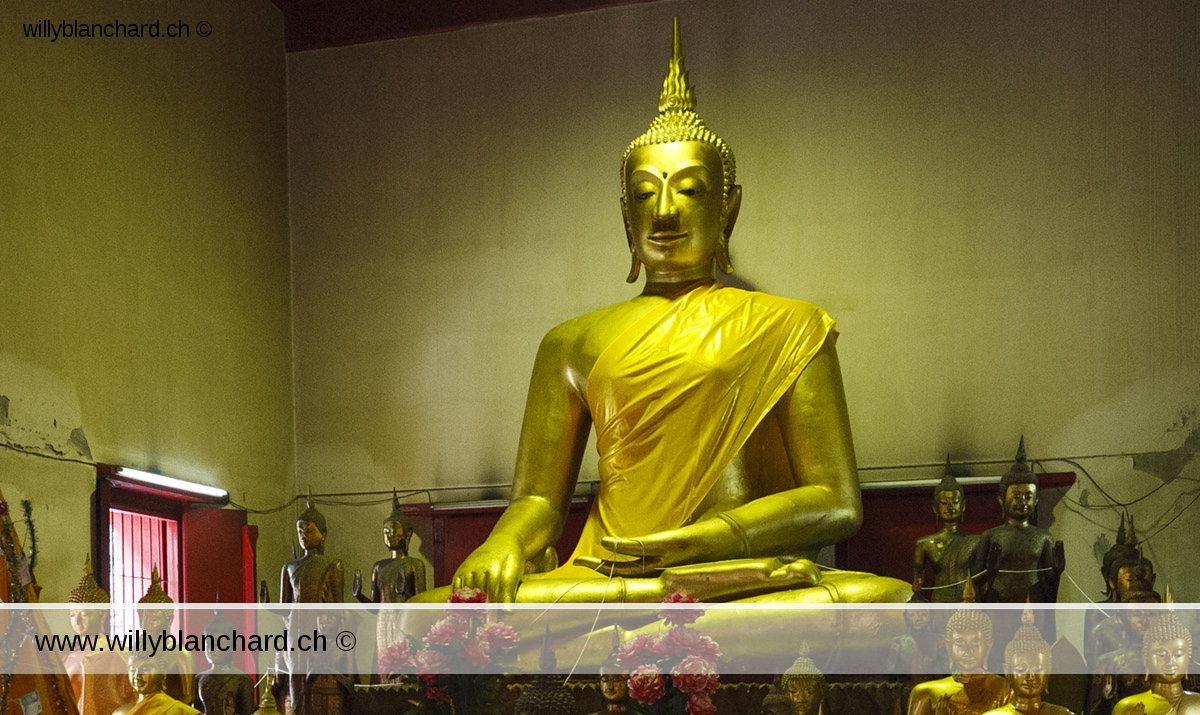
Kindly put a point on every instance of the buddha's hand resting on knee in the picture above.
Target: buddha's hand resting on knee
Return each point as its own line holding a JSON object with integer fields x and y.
{"x": 702, "y": 542}
{"x": 495, "y": 568}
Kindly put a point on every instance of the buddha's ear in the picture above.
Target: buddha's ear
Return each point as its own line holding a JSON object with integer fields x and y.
{"x": 625, "y": 220}
{"x": 733, "y": 204}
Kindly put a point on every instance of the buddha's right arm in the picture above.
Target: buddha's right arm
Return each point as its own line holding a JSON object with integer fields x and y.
{"x": 553, "y": 437}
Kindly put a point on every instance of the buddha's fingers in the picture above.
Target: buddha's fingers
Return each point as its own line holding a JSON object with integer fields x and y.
{"x": 618, "y": 568}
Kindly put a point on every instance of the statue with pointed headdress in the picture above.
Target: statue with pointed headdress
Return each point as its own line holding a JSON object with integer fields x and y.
{"x": 400, "y": 576}
{"x": 949, "y": 554}
{"x": 314, "y": 577}
{"x": 804, "y": 684}
{"x": 1027, "y": 668}
{"x": 178, "y": 667}
{"x": 223, "y": 689}
{"x": 1128, "y": 578}
{"x": 395, "y": 579}
{"x": 1018, "y": 562}
{"x": 971, "y": 690}
{"x": 97, "y": 676}
{"x": 1166, "y": 657}
{"x": 547, "y": 694}
{"x": 720, "y": 418}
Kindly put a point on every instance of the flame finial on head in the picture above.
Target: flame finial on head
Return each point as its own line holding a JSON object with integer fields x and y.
{"x": 677, "y": 94}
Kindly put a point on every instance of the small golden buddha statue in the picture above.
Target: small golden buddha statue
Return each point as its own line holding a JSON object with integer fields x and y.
{"x": 971, "y": 690}
{"x": 721, "y": 422}
{"x": 804, "y": 685}
{"x": 148, "y": 677}
{"x": 1166, "y": 653}
{"x": 314, "y": 577}
{"x": 1027, "y": 668}
{"x": 614, "y": 683}
{"x": 1018, "y": 562}
{"x": 950, "y": 553}
{"x": 97, "y": 675}
{"x": 178, "y": 664}
{"x": 223, "y": 686}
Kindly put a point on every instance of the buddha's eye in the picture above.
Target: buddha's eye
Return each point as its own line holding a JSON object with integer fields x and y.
{"x": 643, "y": 195}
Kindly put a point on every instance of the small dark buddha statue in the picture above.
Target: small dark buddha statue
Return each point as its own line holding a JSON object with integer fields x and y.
{"x": 222, "y": 686}
{"x": 314, "y": 577}
{"x": 948, "y": 554}
{"x": 1018, "y": 562}
{"x": 395, "y": 579}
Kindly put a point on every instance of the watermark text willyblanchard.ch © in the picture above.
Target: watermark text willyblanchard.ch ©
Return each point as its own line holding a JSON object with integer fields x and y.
{"x": 55, "y": 30}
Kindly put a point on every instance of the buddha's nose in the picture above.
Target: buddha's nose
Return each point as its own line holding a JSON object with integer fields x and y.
{"x": 665, "y": 206}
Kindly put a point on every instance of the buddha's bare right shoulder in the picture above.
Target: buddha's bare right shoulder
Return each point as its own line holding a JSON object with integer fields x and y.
{"x": 582, "y": 338}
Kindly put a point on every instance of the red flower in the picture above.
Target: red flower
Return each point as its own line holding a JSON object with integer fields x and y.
{"x": 681, "y": 616}
{"x": 700, "y": 704}
{"x": 437, "y": 694}
{"x": 476, "y": 652}
{"x": 395, "y": 658}
{"x": 447, "y": 631}
{"x": 499, "y": 636}
{"x": 432, "y": 662}
{"x": 468, "y": 595}
{"x": 696, "y": 676}
{"x": 647, "y": 684}
{"x": 630, "y": 654}
{"x": 682, "y": 642}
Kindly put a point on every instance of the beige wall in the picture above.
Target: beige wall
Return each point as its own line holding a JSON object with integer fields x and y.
{"x": 144, "y": 261}
{"x": 995, "y": 200}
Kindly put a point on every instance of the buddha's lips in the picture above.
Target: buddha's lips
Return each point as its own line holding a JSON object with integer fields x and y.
{"x": 667, "y": 237}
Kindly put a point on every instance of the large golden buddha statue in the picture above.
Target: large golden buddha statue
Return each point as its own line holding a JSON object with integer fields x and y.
{"x": 726, "y": 460}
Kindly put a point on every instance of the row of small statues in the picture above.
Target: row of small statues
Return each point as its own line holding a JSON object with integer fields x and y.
{"x": 163, "y": 685}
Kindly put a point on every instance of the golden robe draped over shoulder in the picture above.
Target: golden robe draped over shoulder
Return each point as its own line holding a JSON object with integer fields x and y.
{"x": 675, "y": 397}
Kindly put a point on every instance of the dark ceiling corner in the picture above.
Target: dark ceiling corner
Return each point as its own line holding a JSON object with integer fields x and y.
{"x": 313, "y": 24}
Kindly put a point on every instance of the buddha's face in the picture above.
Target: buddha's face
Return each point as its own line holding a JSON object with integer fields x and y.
{"x": 1168, "y": 660}
{"x": 308, "y": 533}
{"x": 86, "y": 621}
{"x": 1133, "y": 579}
{"x": 327, "y": 624}
{"x": 969, "y": 651}
{"x": 917, "y": 619}
{"x": 949, "y": 506}
{"x": 673, "y": 211}
{"x": 1138, "y": 620}
{"x": 394, "y": 536}
{"x": 801, "y": 691}
{"x": 614, "y": 685}
{"x": 155, "y": 620}
{"x": 1027, "y": 673}
{"x": 1019, "y": 501}
{"x": 145, "y": 677}
{"x": 216, "y": 656}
